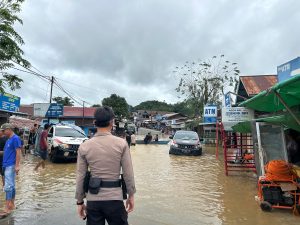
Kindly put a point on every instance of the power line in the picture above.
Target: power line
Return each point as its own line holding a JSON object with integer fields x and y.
{"x": 66, "y": 92}
{"x": 73, "y": 94}
{"x": 92, "y": 90}
{"x": 61, "y": 88}
{"x": 39, "y": 71}
{"x": 34, "y": 73}
{"x": 46, "y": 90}
{"x": 49, "y": 79}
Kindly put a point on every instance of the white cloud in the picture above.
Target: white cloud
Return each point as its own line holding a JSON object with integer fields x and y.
{"x": 130, "y": 47}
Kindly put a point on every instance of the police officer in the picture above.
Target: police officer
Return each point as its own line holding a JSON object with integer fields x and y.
{"x": 105, "y": 156}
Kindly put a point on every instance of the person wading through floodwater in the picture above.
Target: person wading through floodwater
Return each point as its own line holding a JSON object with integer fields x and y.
{"x": 43, "y": 147}
{"x": 11, "y": 165}
{"x": 104, "y": 155}
{"x": 3, "y": 140}
{"x": 32, "y": 136}
{"x": 148, "y": 138}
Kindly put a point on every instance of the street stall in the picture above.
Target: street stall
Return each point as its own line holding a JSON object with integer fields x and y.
{"x": 276, "y": 141}
{"x": 237, "y": 146}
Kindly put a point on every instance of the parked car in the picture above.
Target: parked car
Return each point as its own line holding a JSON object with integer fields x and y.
{"x": 64, "y": 141}
{"x": 185, "y": 143}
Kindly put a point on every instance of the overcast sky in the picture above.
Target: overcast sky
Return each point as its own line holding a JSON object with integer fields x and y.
{"x": 130, "y": 48}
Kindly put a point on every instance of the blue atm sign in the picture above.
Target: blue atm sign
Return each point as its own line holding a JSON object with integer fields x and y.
{"x": 289, "y": 69}
{"x": 210, "y": 114}
{"x": 9, "y": 102}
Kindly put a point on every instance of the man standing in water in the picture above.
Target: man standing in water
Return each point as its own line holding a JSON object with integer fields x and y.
{"x": 11, "y": 165}
{"x": 3, "y": 140}
{"x": 43, "y": 147}
{"x": 105, "y": 155}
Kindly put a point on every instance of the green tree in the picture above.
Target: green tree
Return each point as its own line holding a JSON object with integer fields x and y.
{"x": 96, "y": 105}
{"x": 154, "y": 105}
{"x": 186, "y": 107}
{"x": 10, "y": 42}
{"x": 118, "y": 104}
{"x": 66, "y": 101}
{"x": 205, "y": 81}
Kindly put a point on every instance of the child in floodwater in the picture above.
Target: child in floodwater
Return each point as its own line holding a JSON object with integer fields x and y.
{"x": 133, "y": 139}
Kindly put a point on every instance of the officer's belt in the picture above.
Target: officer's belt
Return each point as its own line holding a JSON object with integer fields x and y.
{"x": 110, "y": 184}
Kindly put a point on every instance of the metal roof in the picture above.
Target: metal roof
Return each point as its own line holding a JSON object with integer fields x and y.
{"x": 170, "y": 115}
{"x": 257, "y": 83}
{"x": 278, "y": 97}
{"x": 70, "y": 111}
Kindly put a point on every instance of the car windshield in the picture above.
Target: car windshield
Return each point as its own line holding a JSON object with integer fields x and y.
{"x": 68, "y": 132}
{"x": 186, "y": 136}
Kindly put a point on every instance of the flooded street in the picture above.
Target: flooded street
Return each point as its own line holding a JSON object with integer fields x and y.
{"x": 171, "y": 190}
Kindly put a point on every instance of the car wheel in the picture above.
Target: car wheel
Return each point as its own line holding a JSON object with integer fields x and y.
{"x": 52, "y": 154}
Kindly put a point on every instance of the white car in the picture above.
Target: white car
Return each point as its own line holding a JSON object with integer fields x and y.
{"x": 64, "y": 141}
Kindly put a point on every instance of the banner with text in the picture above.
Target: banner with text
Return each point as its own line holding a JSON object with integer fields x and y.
{"x": 9, "y": 102}
{"x": 234, "y": 115}
{"x": 48, "y": 110}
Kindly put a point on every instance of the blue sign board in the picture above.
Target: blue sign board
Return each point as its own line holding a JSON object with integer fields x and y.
{"x": 9, "y": 102}
{"x": 55, "y": 110}
{"x": 289, "y": 69}
{"x": 227, "y": 100}
{"x": 210, "y": 114}
{"x": 210, "y": 120}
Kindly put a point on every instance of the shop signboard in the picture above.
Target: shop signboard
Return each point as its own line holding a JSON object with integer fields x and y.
{"x": 48, "y": 110}
{"x": 289, "y": 69}
{"x": 9, "y": 102}
{"x": 210, "y": 114}
{"x": 234, "y": 115}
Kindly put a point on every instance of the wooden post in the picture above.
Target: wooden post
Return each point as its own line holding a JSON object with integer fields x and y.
{"x": 287, "y": 108}
{"x": 217, "y": 140}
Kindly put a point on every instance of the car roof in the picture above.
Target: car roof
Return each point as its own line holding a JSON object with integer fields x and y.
{"x": 62, "y": 126}
{"x": 185, "y": 131}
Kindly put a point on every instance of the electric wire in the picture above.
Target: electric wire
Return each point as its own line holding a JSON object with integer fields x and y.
{"x": 48, "y": 79}
{"x": 66, "y": 92}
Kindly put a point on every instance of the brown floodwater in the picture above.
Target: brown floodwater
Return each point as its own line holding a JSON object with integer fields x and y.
{"x": 171, "y": 191}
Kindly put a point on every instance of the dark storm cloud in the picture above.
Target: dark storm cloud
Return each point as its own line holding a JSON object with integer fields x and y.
{"x": 131, "y": 47}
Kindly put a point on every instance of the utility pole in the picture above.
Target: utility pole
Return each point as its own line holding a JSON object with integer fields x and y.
{"x": 52, "y": 82}
{"x": 83, "y": 113}
{"x": 50, "y": 100}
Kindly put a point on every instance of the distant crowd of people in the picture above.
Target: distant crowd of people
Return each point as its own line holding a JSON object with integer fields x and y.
{"x": 130, "y": 138}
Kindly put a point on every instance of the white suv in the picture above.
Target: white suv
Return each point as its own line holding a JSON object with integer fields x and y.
{"x": 64, "y": 141}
